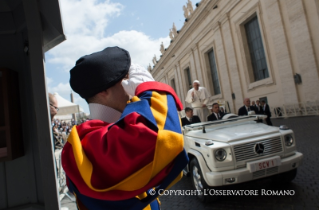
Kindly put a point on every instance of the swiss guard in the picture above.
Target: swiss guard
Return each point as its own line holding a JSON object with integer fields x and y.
{"x": 132, "y": 148}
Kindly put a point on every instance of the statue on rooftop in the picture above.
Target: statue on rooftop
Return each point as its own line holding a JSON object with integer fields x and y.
{"x": 154, "y": 60}
{"x": 162, "y": 49}
{"x": 171, "y": 34}
{"x": 190, "y": 6}
{"x": 149, "y": 68}
{"x": 185, "y": 12}
{"x": 174, "y": 30}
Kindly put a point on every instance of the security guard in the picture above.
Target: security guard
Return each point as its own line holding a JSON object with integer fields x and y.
{"x": 129, "y": 150}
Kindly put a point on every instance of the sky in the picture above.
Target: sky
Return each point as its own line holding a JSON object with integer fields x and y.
{"x": 139, "y": 26}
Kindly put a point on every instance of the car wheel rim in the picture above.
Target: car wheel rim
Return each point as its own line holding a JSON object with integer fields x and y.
{"x": 197, "y": 180}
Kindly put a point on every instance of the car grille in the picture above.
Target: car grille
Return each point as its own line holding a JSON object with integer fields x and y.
{"x": 247, "y": 151}
{"x": 265, "y": 172}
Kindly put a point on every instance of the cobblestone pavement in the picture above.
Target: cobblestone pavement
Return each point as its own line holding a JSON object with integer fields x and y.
{"x": 305, "y": 185}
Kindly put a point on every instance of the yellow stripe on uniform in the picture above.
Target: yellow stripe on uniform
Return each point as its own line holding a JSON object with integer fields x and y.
{"x": 166, "y": 141}
{"x": 148, "y": 207}
{"x": 159, "y": 108}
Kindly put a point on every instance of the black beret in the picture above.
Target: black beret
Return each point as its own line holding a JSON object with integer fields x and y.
{"x": 99, "y": 71}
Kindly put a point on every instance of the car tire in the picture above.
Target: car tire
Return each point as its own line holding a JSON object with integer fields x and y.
{"x": 285, "y": 177}
{"x": 199, "y": 183}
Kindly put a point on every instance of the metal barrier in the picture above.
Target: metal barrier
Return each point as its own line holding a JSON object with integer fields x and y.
{"x": 294, "y": 110}
{"x": 63, "y": 189}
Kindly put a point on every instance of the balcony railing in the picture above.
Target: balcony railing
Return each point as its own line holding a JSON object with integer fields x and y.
{"x": 294, "y": 110}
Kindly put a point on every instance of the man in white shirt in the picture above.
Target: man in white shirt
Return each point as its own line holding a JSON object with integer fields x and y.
{"x": 198, "y": 97}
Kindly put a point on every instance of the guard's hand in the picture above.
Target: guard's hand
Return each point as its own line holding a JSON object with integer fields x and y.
{"x": 136, "y": 75}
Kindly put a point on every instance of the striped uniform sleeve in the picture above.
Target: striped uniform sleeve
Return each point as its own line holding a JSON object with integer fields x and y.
{"x": 122, "y": 160}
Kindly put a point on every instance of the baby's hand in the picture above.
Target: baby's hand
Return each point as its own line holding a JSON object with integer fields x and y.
{"x": 136, "y": 75}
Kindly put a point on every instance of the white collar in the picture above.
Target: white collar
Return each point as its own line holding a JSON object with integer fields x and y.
{"x": 104, "y": 113}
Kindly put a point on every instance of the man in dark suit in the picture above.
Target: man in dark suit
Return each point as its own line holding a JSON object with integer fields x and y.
{"x": 189, "y": 118}
{"x": 258, "y": 108}
{"x": 222, "y": 110}
{"x": 253, "y": 103}
{"x": 216, "y": 114}
{"x": 267, "y": 112}
{"x": 246, "y": 108}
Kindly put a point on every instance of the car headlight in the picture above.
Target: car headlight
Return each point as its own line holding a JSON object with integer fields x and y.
{"x": 289, "y": 140}
{"x": 220, "y": 154}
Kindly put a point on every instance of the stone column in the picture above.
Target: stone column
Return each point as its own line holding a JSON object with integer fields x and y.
{"x": 222, "y": 68}
{"x": 197, "y": 64}
{"x": 167, "y": 79}
{"x": 282, "y": 58}
{"x": 192, "y": 66}
{"x": 302, "y": 49}
{"x": 233, "y": 71}
{"x": 177, "y": 82}
{"x": 181, "y": 83}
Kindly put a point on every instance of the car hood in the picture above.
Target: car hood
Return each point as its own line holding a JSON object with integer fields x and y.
{"x": 234, "y": 132}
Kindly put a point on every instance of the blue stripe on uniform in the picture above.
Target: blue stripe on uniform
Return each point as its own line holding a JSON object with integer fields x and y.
{"x": 141, "y": 107}
{"x": 172, "y": 122}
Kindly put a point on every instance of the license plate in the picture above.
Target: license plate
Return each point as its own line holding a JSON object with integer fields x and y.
{"x": 263, "y": 164}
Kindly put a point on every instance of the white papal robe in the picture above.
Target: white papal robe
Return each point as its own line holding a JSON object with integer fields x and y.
{"x": 201, "y": 97}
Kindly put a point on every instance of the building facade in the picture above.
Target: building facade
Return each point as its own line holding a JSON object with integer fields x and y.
{"x": 246, "y": 48}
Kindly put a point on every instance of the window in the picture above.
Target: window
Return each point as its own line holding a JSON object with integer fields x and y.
{"x": 256, "y": 50}
{"x": 188, "y": 78}
{"x": 213, "y": 71}
{"x": 263, "y": 99}
{"x": 173, "y": 84}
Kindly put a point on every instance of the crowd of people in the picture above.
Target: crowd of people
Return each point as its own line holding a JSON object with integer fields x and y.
{"x": 61, "y": 130}
{"x": 198, "y": 97}
{"x": 60, "y": 126}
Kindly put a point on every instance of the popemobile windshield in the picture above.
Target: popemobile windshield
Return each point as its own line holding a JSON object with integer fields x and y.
{"x": 238, "y": 149}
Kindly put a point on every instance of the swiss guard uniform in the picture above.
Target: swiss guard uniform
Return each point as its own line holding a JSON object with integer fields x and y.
{"x": 123, "y": 165}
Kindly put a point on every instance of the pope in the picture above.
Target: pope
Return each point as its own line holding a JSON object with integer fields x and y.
{"x": 198, "y": 97}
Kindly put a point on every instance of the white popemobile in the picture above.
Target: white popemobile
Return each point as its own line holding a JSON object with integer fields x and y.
{"x": 237, "y": 149}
